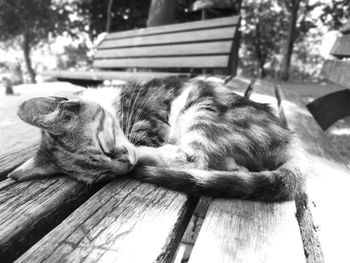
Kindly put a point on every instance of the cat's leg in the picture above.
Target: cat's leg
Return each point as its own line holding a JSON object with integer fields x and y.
{"x": 165, "y": 156}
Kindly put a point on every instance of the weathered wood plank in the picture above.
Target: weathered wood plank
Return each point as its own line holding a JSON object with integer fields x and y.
{"x": 244, "y": 231}
{"x": 165, "y": 62}
{"x": 226, "y": 33}
{"x": 337, "y": 71}
{"x": 126, "y": 221}
{"x": 112, "y": 75}
{"x": 189, "y": 26}
{"x": 341, "y": 47}
{"x": 28, "y": 210}
{"x": 219, "y": 47}
{"x": 327, "y": 187}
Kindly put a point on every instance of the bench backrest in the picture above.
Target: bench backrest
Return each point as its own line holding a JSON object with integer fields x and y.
{"x": 200, "y": 44}
{"x": 337, "y": 70}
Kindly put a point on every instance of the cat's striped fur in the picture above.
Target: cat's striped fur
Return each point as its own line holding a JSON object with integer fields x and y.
{"x": 196, "y": 136}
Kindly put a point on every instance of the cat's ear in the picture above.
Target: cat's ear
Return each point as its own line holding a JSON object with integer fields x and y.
{"x": 50, "y": 113}
{"x": 37, "y": 111}
{"x": 34, "y": 168}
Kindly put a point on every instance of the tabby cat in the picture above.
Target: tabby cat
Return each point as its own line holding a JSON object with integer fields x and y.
{"x": 194, "y": 136}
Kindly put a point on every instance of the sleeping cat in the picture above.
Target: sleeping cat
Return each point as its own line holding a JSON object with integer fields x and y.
{"x": 196, "y": 136}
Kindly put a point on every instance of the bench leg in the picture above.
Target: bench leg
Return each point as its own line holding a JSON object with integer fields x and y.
{"x": 330, "y": 108}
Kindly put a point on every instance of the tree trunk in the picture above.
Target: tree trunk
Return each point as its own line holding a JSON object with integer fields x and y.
{"x": 261, "y": 58}
{"x": 109, "y": 16}
{"x": 288, "y": 50}
{"x": 161, "y": 12}
{"x": 27, "y": 59}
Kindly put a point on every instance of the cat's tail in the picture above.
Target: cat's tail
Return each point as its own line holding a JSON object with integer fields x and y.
{"x": 282, "y": 184}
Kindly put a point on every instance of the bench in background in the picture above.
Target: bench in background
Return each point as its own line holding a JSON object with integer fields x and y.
{"x": 332, "y": 107}
{"x": 172, "y": 50}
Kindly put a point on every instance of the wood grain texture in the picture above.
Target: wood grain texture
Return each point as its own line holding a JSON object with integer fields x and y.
{"x": 172, "y": 38}
{"x": 112, "y": 75}
{"x": 341, "y": 47}
{"x": 244, "y": 231}
{"x": 126, "y": 221}
{"x": 189, "y": 26}
{"x": 327, "y": 186}
{"x": 28, "y": 210}
{"x": 165, "y": 62}
{"x": 337, "y": 71}
{"x": 219, "y": 47}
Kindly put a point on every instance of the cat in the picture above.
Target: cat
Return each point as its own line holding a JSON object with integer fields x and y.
{"x": 194, "y": 136}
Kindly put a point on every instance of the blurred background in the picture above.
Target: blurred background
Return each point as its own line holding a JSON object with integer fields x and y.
{"x": 280, "y": 39}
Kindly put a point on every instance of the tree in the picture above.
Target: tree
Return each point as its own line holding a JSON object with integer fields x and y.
{"x": 335, "y": 14}
{"x": 109, "y": 15}
{"x": 125, "y": 15}
{"x": 31, "y": 22}
{"x": 293, "y": 8}
{"x": 299, "y": 24}
{"x": 161, "y": 12}
{"x": 262, "y": 28}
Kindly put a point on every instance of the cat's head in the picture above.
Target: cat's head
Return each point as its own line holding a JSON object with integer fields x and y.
{"x": 79, "y": 138}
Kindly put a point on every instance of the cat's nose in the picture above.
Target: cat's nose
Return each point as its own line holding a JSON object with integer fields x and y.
{"x": 118, "y": 152}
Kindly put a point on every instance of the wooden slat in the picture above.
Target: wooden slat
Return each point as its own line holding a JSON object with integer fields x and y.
{"x": 244, "y": 231}
{"x": 337, "y": 71}
{"x": 28, "y": 210}
{"x": 165, "y": 62}
{"x": 327, "y": 186}
{"x": 168, "y": 50}
{"x": 112, "y": 75}
{"x": 341, "y": 47}
{"x": 197, "y": 25}
{"x": 125, "y": 221}
{"x": 172, "y": 38}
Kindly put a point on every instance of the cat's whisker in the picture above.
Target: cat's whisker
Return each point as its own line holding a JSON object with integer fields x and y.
{"x": 129, "y": 111}
{"x": 143, "y": 104}
{"x": 133, "y": 110}
{"x": 122, "y": 109}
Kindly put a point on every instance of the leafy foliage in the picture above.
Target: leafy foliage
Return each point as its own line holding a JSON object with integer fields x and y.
{"x": 262, "y": 34}
{"x": 36, "y": 18}
{"x": 125, "y": 15}
{"x": 31, "y": 22}
{"x": 335, "y": 13}
{"x": 265, "y": 30}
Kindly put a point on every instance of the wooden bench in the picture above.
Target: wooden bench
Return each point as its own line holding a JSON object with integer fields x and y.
{"x": 181, "y": 49}
{"x": 60, "y": 220}
{"x": 332, "y": 107}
